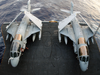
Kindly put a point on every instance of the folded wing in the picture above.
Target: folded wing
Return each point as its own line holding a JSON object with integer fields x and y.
{"x": 65, "y": 22}
{"x": 34, "y": 19}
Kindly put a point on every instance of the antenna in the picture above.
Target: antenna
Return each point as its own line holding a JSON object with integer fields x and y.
{"x": 96, "y": 30}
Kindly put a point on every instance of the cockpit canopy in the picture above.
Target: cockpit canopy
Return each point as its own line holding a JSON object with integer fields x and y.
{"x": 83, "y": 50}
{"x": 15, "y": 49}
{"x": 14, "y": 54}
{"x": 84, "y": 58}
{"x": 83, "y": 53}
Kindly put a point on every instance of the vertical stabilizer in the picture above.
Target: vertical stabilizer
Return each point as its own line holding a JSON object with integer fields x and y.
{"x": 71, "y": 9}
{"x": 29, "y": 6}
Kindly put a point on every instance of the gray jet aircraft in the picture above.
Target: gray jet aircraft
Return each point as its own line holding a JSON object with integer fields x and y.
{"x": 79, "y": 33}
{"x": 19, "y": 32}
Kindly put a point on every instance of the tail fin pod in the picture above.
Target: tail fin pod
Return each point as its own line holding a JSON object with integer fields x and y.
{"x": 28, "y": 8}
{"x": 71, "y": 9}
{"x": 29, "y": 5}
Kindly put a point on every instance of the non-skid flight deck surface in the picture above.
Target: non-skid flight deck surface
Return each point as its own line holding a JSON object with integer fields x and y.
{"x": 49, "y": 57}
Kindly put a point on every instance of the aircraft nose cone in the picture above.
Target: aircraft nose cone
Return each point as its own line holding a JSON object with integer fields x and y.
{"x": 84, "y": 66}
{"x": 15, "y": 61}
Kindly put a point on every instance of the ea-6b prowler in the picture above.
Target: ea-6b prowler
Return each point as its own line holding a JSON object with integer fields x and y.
{"x": 19, "y": 32}
{"x": 79, "y": 33}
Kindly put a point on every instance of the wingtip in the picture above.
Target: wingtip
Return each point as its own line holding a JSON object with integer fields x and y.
{"x": 61, "y": 9}
{"x": 67, "y": 11}
{"x": 72, "y": 4}
{"x": 35, "y": 9}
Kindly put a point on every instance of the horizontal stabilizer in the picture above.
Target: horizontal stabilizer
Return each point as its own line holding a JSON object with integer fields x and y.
{"x": 34, "y": 19}
{"x": 67, "y": 11}
{"x": 35, "y": 9}
{"x": 64, "y": 22}
{"x": 77, "y": 12}
{"x": 23, "y": 9}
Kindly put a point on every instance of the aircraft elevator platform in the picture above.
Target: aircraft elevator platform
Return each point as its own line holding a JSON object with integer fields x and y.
{"x": 49, "y": 57}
